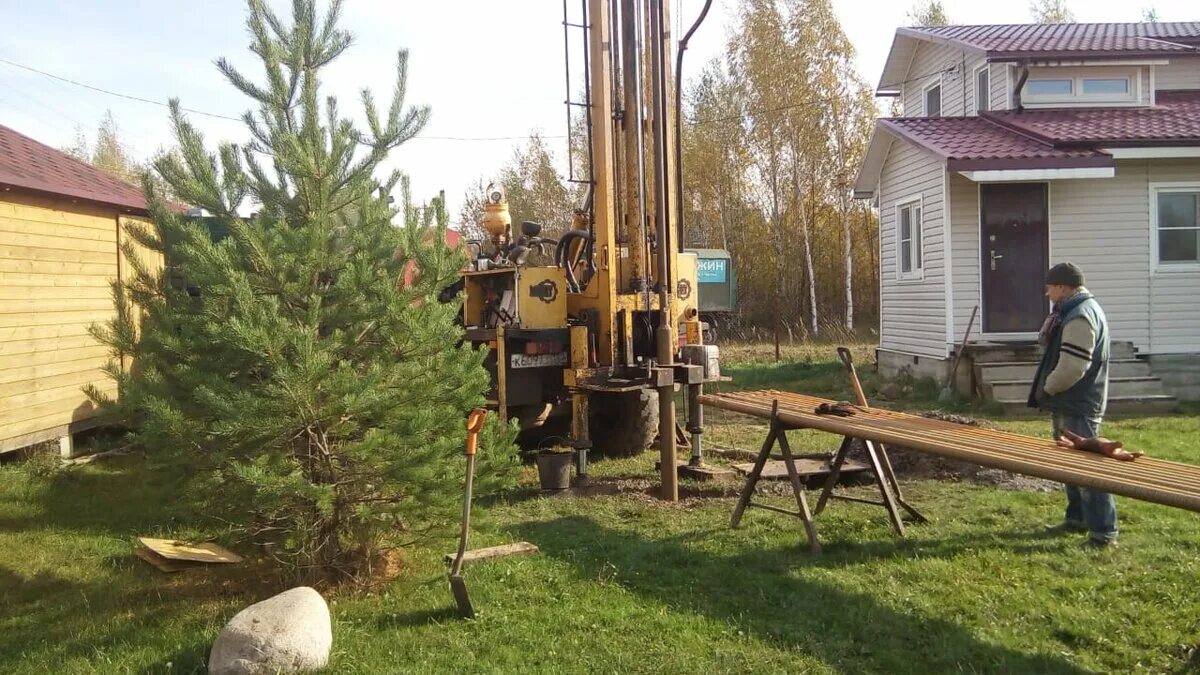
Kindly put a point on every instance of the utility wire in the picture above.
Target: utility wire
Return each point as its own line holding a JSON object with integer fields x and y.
{"x": 764, "y": 111}
{"x": 238, "y": 119}
{"x": 483, "y": 138}
{"x": 943, "y": 71}
{"x": 113, "y": 93}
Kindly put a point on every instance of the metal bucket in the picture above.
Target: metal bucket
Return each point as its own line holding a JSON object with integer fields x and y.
{"x": 554, "y": 470}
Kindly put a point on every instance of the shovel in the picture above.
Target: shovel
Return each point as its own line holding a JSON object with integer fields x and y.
{"x": 948, "y": 390}
{"x": 458, "y": 585}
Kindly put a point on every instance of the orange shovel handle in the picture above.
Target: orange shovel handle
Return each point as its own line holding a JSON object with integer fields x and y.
{"x": 474, "y": 425}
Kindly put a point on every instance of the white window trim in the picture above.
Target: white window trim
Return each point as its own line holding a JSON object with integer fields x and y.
{"x": 987, "y": 95}
{"x": 941, "y": 97}
{"x": 1156, "y": 266}
{"x": 1077, "y": 98}
{"x": 918, "y": 273}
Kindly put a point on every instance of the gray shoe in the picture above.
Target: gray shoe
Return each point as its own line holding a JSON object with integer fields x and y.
{"x": 1063, "y": 529}
{"x": 1098, "y": 544}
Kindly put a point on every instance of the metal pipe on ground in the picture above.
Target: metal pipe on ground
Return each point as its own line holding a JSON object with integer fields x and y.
{"x": 1158, "y": 481}
{"x": 986, "y": 441}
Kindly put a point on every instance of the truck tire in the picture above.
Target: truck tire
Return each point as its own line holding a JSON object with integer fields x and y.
{"x": 623, "y": 424}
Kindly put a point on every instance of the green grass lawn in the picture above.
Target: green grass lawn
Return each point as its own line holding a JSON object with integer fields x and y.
{"x": 625, "y": 583}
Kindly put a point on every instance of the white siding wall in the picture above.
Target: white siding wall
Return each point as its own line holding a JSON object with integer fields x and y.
{"x": 1174, "y": 307}
{"x": 913, "y": 313}
{"x": 964, "y": 241}
{"x": 1180, "y": 74}
{"x": 1001, "y": 86}
{"x": 1103, "y": 225}
{"x": 931, "y": 59}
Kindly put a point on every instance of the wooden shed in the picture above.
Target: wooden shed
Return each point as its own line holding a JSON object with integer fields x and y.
{"x": 61, "y": 227}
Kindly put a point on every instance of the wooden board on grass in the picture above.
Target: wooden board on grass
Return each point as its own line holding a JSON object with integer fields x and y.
{"x": 478, "y": 554}
{"x": 180, "y": 550}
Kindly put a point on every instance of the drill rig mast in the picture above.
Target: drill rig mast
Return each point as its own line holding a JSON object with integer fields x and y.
{"x": 608, "y": 331}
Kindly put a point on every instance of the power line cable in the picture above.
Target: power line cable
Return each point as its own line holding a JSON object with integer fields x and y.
{"x": 114, "y": 93}
{"x": 764, "y": 111}
{"x": 943, "y": 71}
{"x": 238, "y": 119}
{"x": 484, "y": 138}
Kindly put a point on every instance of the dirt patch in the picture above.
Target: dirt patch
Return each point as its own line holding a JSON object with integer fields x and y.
{"x": 910, "y": 463}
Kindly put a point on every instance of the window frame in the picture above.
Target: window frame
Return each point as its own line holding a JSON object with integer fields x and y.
{"x": 1083, "y": 80}
{"x": 1157, "y": 265}
{"x": 917, "y": 227}
{"x": 1077, "y": 76}
{"x": 987, "y": 95}
{"x": 1026, "y": 94}
{"x": 932, "y": 84}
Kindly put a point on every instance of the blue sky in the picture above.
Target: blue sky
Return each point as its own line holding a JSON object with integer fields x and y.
{"x": 488, "y": 68}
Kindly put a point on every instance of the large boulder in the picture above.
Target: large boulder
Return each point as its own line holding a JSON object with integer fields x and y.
{"x": 289, "y": 633}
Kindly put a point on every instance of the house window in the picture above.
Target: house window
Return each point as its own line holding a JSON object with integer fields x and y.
{"x": 933, "y": 100}
{"x": 1057, "y": 85}
{"x": 1105, "y": 86}
{"x": 982, "y": 90}
{"x": 1050, "y": 87}
{"x": 908, "y": 229}
{"x": 1176, "y": 224}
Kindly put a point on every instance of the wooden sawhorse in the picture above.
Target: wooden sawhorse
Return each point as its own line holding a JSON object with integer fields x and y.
{"x": 891, "y": 497}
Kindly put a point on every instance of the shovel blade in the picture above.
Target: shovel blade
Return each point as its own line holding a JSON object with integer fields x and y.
{"x": 458, "y": 586}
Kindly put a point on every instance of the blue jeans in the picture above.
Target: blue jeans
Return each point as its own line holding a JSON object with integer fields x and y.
{"x": 1095, "y": 510}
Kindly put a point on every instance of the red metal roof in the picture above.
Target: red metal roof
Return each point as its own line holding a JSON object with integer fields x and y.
{"x": 1097, "y": 40}
{"x": 25, "y": 163}
{"x": 1174, "y": 119}
{"x": 974, "y": 143}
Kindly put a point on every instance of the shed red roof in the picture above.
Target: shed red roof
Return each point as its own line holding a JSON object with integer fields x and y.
{"x": 28, "y": 164}
{"x": 1174, "y": 119}
{"x": 972, "y": 143}
{"x": 1011, "y": 41}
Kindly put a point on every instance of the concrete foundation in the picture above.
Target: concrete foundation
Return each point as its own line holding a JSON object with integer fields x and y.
{"x": 1180, "y": 374}
{"x": 893, "y": 364}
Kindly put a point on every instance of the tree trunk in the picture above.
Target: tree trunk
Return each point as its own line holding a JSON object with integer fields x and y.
{"x": 780, "y": 268}
{"x": 807, "y": 216}
{"x": 847, "y": 251}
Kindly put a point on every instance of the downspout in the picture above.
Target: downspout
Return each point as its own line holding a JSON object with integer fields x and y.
{"x": 683, "y": 44}
{"x": 1016, "y": 92}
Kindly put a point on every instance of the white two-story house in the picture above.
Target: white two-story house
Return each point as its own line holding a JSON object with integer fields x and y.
{"x": 1025, "y": 145}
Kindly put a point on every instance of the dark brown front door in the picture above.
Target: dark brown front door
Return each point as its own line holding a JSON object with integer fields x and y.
{"x": 1015, "y": 250}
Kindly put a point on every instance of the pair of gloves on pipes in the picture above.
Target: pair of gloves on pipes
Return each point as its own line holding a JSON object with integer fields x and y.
{"x": 1097, "y": 444}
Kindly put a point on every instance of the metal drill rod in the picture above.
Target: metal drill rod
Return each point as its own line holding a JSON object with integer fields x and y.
{"x": 1158, "y": 481}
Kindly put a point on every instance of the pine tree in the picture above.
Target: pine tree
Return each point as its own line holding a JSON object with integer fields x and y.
{"x": 294, "y": 376}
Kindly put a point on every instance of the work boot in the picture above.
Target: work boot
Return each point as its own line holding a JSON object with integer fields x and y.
{"x": 1063, "y": 529}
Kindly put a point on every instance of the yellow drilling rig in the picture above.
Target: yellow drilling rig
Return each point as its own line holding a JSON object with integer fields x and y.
{"x": 596, "y": 330}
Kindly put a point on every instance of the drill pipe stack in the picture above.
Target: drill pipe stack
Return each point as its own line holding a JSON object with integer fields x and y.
{"x": 1147, "y": 479}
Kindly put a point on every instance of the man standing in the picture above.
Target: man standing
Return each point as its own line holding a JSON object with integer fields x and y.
{"x": 1072, "y": 385}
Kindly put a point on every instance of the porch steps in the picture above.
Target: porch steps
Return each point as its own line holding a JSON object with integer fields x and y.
{"x": 1003, "y": 373}
{"x": 1133, "y": 406}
